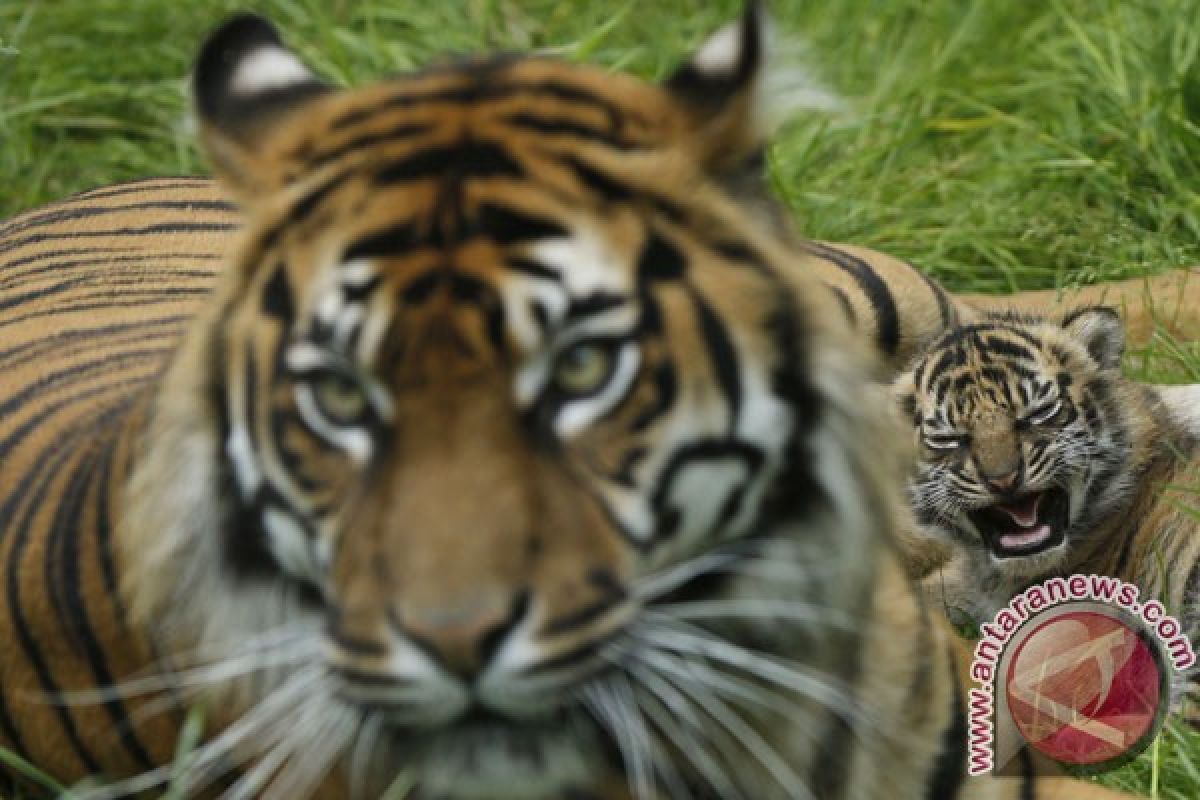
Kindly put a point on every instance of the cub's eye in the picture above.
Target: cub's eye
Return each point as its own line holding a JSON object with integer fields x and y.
{"x": 1044, "y": 414}
{"x": 584, "y": 368}
{"x": 338, "y": 397}
{"x": 944, "y": 441}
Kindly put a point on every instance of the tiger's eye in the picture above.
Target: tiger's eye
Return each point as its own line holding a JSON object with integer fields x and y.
{"x": 583, "y": 368}
{"x": 339, "y": 398}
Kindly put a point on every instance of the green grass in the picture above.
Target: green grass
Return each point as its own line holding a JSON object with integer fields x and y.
{"x": 1000, "y": 144}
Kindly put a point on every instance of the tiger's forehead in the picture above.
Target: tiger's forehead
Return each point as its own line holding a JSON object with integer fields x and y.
{"x": 511, "y": 99}
{"x": 988, "y": 366}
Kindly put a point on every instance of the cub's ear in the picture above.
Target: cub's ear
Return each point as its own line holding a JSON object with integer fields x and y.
{"x": 735, "y": 88}
{"x": 245, "y": 84}
{"x": 1100, "y": 330}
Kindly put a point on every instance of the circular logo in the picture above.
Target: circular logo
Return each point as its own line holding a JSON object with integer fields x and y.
{"x": 1086, "y": 689}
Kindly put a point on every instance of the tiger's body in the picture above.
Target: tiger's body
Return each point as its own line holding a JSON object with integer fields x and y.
{"x": 1039, "y": 458}
{"x": 188, "y": 476}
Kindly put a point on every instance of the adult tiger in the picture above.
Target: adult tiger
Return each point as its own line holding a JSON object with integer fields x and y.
{"x": 510, "y": 456}
{"x": 1037, "y": 457}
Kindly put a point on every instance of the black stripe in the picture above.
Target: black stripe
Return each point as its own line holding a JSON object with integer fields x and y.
{"x": 844, "y": 301}
{"x": 476, "y": 93}
{"x": 1005, "y": 347}
{"x": 666, "y": 385}
{"x": 392, "y": 242}
{"x": 82, "y": 339}
{"x": 277, "y": 296}
{"x": 9, "y": 732}
{"x": 108, "y": 570}
{"x": 101, "y": 271}
{"x": 52, "y": 461}
{"x": 128, "y": 298}
{"x": 506, "y": 225}
{"x": 534, "y": 269}
{"x": 887, "y": 320}
{"x": 659, "y": 261}
{"x": 595, "y": 303}
{"x": 950, "y": 769}
{"x": 96, "y": 256}
{"x": 1028, "y": 788}
{"x": 77, "y": 212}
{"x": 18, "y": 435}
{"x": 80, "y": 371}
{"x": 396, "y": 133}
{"x": 148, "y": 230}
{"x": 140, "y": 185}
{"x": 468, "y": 158}
{"x": 723, "y": 357}
{"x": 307, "y": 204}
{"x": 946, "y": 312}
{"x": 64, "y": 529}
{"x": 602, "y": 184}
{"x": 356, "y": 644}
{"x": 562, "y": 126}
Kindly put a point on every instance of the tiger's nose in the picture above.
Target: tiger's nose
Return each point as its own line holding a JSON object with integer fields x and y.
{"x": 1004, "y": 483}
{"x": 465, "y": 638}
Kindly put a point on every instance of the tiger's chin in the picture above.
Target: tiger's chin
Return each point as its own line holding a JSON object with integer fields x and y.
{"x": 486, "y": 759}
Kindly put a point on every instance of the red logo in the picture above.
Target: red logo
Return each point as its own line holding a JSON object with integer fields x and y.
{"x": 1085, "y": 688}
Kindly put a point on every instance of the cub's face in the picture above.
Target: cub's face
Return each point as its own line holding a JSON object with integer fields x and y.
{"x": 525, "y": 439}
{"x": 1023, "y": 443}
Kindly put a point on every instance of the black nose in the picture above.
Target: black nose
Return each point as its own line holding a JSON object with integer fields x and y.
{"x": 1004, "y": 484}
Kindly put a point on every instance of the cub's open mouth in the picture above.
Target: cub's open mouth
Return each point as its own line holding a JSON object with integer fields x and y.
{"x": 1027, "y": 525}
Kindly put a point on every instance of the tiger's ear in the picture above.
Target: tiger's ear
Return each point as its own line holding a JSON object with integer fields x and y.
{"x": 719, "y": 90}
{"x": 1100, "y": 330}
{"x": 737, "y": 87}
{"x": 246, "y": 83}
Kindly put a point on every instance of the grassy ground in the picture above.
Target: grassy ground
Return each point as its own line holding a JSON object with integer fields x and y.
{"x": 1001, "y": 144}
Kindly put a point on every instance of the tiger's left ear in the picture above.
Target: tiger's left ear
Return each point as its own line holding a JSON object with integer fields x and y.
{"x": 1100, "y": 330}
{"x": 733, "y": 90}
{"x": 246, "y": 86}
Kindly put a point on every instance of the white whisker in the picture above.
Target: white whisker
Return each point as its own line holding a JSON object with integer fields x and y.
{"x": 665, "y": 701}
{"x": 364, "y": 749}
{"x": 760, "y": 609}
{"x": 751, "y": 741}
{"x": 211, "y": 761}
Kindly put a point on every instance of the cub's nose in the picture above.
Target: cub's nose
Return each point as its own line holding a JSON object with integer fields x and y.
{"x": 1006, "y": 483}
{"x": 465, "y": 637}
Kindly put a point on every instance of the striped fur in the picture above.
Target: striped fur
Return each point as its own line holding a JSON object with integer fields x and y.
{"x": 1012, "y": 408}
{"x": 503, "y": 454}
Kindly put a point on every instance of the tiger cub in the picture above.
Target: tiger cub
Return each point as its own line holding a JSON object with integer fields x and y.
{"x": 1037, "y": 457}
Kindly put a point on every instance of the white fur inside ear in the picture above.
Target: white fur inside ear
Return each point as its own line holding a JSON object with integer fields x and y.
{"x": 268, "y": 68}
{"x": 722, "y": 52}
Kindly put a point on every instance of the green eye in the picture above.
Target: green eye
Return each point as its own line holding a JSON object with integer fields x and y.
{"x": 583, "y": 368}
{"x": 339, "y": 397}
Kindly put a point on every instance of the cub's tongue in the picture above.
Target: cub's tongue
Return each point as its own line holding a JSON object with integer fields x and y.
{"x": 1014, "y": 541}
{"x": 1024, "y": 512}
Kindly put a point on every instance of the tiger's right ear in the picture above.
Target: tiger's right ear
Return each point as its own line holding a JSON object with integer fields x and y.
{"x": 245, "y": 83}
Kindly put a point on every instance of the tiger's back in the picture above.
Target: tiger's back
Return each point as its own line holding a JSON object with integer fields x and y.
{"x": 95, "y": 294}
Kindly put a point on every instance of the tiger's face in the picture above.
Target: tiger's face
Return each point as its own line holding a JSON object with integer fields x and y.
{"x": 1024, "y": 444}
{"x": 524, "y": 438}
